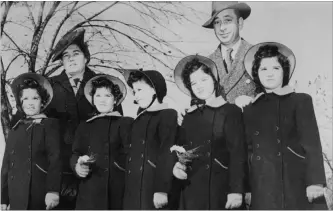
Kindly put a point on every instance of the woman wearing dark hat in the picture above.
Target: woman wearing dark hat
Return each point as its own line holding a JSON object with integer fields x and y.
{"x": 149, "y": 168}
{"x": 287, "y": 170}
{"x": 69, "y": 104}
{"x": 215, "y": 180}
{"x": 31, "y": 168}
{"x": 99, "y": 148}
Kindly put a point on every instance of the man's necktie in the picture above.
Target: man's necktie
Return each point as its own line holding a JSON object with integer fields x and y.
{"x": 76, "y": 81}
{"x": 228, "y": 59}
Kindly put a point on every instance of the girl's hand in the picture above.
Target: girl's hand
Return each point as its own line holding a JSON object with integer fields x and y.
{"x": 81, "y": 169}
{"x": 314, "y": 191}
{"x": 51, "y": 200}
{"x": 5, "y": 207}
{"x": 234, "y": 201}
{"x": 180, "y": 116}
{"x": 160, "y": 200}
{"x": 179, "y": 171}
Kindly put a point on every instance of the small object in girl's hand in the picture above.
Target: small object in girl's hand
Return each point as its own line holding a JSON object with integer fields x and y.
{"x": 185, "y": 156}
{"x": 86, "y": 160}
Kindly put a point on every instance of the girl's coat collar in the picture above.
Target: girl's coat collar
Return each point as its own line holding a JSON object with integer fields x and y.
{"x": 157, "y": 107}
{"x": 281, "y": 92}
{"x": 36, "y": 119}
{"x": 215, "y": 103}
{"x": 115, "y": 113}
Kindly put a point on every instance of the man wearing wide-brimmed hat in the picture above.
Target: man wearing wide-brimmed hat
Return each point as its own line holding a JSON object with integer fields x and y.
{"x": 227, "y": 20}
{"x": 69, "y": 103}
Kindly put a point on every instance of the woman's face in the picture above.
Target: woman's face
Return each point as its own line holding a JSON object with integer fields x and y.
{"x": 202, "y": 84}
{"x": 143, "y": 93}
{"x": 31, "y": 102}
{"x": 104, "y": 100}
{"x": 270, "y": 73}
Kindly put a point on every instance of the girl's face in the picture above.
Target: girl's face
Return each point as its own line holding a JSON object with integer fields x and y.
{"x": 31, "y": 102}
{"x": 270, "y": 73}
{"x": 202, "y": 84}
{"x": 143, "y": 93}
{"x": 104, "y": 100}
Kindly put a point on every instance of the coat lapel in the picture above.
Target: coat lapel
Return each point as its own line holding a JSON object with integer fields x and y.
{"x": 63, "y": 80}
{"x": 218, "y": 59}
{"x": 87, "y": 75}
{"x": 232, "y": 78}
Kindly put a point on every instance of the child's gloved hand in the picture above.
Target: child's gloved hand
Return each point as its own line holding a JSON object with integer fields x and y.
{"x": 179, "y": 171}
{"x": 5, "y": 207}
{"x": 51, "y": 200}
{"x": 180, "y": 116}
{"x": 314, "y": 191}
{"x": 160, "y": 200}
{"x": 234, "y": 201}
{"x": 81, "y": 169}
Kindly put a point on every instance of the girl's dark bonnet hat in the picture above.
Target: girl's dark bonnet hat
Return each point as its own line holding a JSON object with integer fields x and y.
{"x": 155, "y": 78}
{"x": 115, "y": 80}
{"x": 42, "y": 81}
{"x": 74, "y": 37}
{"x": 284, "y": 50}
{"x": 181, "y": 66}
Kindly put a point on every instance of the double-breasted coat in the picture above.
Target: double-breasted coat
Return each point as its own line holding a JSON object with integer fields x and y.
{"x": 285, "y": 152}
{"x": 104, "y": 136}
{"x": 217, "y": 129}
{"x": 237, "y": 81}
{"x": 150, "y": 162}
{"x": 31, "y": 166}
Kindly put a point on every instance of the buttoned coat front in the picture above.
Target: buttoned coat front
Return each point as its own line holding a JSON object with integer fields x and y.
{"x": 105, "y": 137}
{"x": 285, "y": 151}
{"x": 150, "y": 162}
{"x": 219, "y": 132}
{"x": 31, "y": 166}
{"x": 237, "y": 81}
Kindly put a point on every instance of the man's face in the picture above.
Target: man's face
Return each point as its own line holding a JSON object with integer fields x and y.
{"x": 227, "y": 27}
{"x": 73, "y": 59}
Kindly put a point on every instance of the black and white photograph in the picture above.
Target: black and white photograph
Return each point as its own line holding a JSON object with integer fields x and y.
{"x": 170, "y": 105}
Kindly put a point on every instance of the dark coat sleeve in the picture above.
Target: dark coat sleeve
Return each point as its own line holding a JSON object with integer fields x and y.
{"x": 52, "y": 143}
{"x": 79, "y": 148}
{"x": 235, "y": 136}
{"x": 124, "y": 133}
{"x": 4, "y": 176}
{"x": 167, "y": 132}
{"x": 308, "y": 131}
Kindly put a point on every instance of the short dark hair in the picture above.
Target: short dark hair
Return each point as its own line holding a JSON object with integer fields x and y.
{"x": 103, "y": 82}
{"x": 30, "y": 83}
{"x": 194, "y": 65}
{"x": 269, "y": 51}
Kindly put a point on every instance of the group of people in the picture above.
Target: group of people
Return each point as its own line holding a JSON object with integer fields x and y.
{"x": 72, "y": 147}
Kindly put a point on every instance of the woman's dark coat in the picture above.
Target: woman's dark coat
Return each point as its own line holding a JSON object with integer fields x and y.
{"x": 150, "y": 162}
{"x": 106, "y": 137}
{"x": 285, "y": 151}
{"x": 31, "y": 166}
{"x": 217, "y": 128}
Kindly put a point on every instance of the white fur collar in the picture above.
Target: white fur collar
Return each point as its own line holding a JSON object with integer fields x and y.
{"x": 115, "y": 113}
{"x": 157, "y": 107}
{"x": 36, "y": 119}
{"x": 215, "y": 103}
{"x": 282, "y": 91}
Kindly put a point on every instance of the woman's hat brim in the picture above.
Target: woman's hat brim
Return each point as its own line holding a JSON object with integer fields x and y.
{"x": 42, "y": 81}
{"x": 181, "y": 65}
{"x": 115, "y": 80}
{"x": 284, "y": 50}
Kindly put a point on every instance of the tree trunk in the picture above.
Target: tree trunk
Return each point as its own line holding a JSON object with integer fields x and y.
{"x": 5, "y": 106}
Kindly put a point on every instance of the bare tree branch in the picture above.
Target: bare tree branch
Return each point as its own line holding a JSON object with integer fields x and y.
{"x": 10, "y": 63}
{"x": 31, "y": 17}
{"x": 4, "y": 15}
{"x": 37, "y": 36}
{"x": 40, "y": 13}
{"x": 5, "y": 106}
{"x": 50, "y": 72}
{"x": 49, "y": 51}
{"x": 18, "y": 48}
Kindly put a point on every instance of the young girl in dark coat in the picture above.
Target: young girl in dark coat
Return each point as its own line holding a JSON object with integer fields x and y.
{"x": 216, "y": 179}
{"x": 102, "y": 138}
{"x": 150, "y": 162}
{"x": 31, "y": 168}
{"x": 286, "y": 163}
